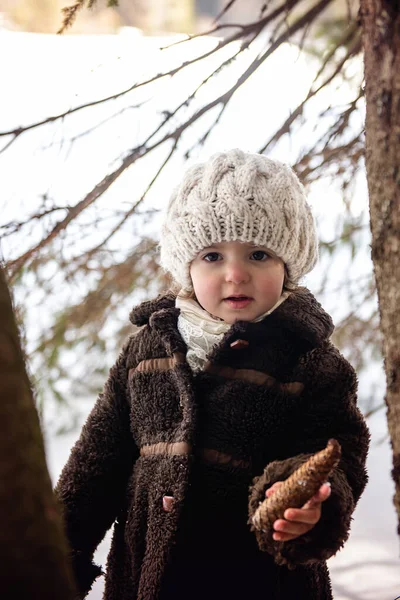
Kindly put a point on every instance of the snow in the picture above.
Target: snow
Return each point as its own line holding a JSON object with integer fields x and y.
{"x": 46, "y": 74}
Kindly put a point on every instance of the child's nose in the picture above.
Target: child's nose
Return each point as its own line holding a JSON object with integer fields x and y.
{"x": 237, "y": 274}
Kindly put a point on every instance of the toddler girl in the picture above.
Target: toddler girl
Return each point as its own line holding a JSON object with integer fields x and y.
{"x": 230, "y": 383}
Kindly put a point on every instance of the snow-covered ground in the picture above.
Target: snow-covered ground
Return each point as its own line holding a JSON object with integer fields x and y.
{"x": 368, "y": 567}
{"x": 40, "y": 77}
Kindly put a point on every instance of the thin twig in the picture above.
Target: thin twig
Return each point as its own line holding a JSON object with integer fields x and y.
{"x": 188, "y": 99}
{"x": 82, "y": 134}
{"x": 225, "y": 9}
{"x": 13, "y": 226}
{"x": 16, "y": 134}
{"x": 244, "y": 30}
{"x": 131, "y": 211}
{"x": 345, "y": 236}
{"x": 329, "y": 155}
{"x": 374, "y": 410}
{"x": 353, "y": 49}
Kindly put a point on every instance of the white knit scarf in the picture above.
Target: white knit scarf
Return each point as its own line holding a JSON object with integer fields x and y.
{"x": 201, "y": 331}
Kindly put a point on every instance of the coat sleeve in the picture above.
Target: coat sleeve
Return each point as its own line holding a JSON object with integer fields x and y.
{"x": 327, "y": 409}
{"x": 93, "y": 482}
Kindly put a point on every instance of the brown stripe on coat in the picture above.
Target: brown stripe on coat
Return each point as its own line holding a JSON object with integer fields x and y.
{"x": 166, "y": 448}
{"x": 159, "y": 364}
{"x": 258, "y": 377}
{"x": 208, "y": 454}
{"x": 292, "y": 387}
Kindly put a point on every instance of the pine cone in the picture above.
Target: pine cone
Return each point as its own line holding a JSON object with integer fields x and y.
{"x": 297, "y": 489}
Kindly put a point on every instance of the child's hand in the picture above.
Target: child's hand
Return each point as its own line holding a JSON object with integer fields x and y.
{"x": 298, "y": 521}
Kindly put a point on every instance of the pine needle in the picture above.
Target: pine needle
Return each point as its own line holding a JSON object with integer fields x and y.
{"x": 70, "y": 13}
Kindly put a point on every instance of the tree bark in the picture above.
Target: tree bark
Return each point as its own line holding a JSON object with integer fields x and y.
{"x": 33, "y": 551}
{"x": 381, "y": 37}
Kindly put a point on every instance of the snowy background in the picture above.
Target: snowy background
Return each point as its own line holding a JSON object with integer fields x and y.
{"x": 44, "y": 75}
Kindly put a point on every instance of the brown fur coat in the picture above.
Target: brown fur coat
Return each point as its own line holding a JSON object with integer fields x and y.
{"x": 249, "y": 419}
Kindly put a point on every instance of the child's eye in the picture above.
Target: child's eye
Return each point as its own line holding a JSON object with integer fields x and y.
{"x": 260, "y": 255}
{"x": 211, "y": 257}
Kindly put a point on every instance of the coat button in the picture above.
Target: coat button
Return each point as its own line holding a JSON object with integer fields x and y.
{"x": 239, "y": 344}
{"x": 168, "y": 503}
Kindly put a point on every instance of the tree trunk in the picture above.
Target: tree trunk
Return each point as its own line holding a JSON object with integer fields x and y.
{"x": 381, "y": 37}
{"x": 33, "y": 552}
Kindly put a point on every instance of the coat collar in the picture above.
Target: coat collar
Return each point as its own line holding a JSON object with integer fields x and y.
{"x": 140, "y": 314}
{"x": 301, "y": 314}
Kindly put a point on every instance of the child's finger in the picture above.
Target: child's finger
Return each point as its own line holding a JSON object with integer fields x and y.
{"x": 279, "y": 536}
{"x": 273, "y": 488}
{"x": 323, "y": 494}
{"x": 311, "y": 511}
{"x": 289, "y": 530}
{"x": 298, "y": 521}
{"x": 291, "y": 527}
{"x": 308, "y": 516}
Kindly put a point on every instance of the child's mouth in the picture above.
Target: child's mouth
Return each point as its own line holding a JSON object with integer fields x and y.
{"x": 238, "y": 301}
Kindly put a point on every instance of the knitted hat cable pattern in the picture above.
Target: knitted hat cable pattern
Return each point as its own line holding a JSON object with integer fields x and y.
{"x": 238, "y": 196}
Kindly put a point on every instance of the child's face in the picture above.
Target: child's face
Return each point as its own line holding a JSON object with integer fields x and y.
{"x": 237, "y": 281}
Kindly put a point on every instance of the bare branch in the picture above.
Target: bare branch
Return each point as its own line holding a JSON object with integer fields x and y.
{"x": 189, "y": 98}
{"x": 141, "y": 150}
{"x": 244, "y": 31}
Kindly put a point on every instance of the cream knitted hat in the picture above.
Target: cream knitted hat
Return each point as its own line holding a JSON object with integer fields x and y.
{"x": 238, "y": 196}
